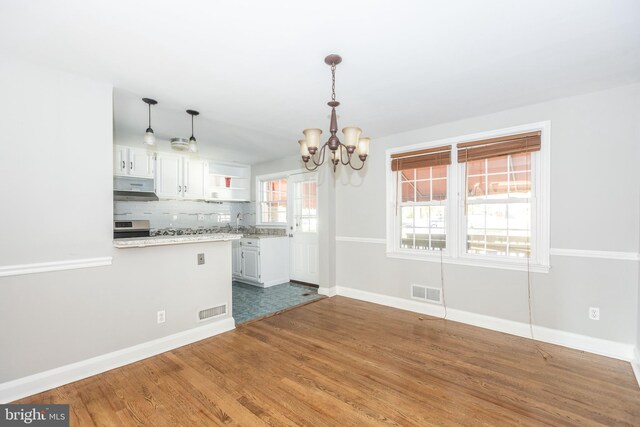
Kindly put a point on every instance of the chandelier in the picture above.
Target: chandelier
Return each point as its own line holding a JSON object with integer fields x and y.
{"x": 340, "y": 153}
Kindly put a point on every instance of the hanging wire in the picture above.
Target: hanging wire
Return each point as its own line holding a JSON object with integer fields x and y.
{"x": 543, "y": 353}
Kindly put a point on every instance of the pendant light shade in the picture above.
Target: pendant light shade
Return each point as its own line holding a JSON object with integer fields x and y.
{"x": 149, "y": 137}
{"x": 193, "y": 144}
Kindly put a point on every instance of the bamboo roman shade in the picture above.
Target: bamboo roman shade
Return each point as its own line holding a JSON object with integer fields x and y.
{"x": 500, "y": 146}
{"x": 436, "y": 156}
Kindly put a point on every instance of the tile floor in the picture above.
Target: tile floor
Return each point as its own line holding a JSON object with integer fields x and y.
{"x": 251, "y": 302}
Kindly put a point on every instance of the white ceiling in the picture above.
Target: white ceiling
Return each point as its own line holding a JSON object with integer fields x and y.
{"x": 255, "y": 71}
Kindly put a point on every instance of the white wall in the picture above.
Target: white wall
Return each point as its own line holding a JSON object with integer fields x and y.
{"x": 594, "y": 206}
{"x": 55, "y": 158}
{"x": 56, "y": 169}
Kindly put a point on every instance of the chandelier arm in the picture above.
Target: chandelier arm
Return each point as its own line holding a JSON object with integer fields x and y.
{"x": 355, "y": 168}
{"x": 306, "y": 166}
{"x": 321, "y": 156}
{"x": 348, "y": 156}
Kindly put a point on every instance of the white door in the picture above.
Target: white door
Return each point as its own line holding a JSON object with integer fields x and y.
{"x": 303, "y": 227}
{"x": 119, "y": 160}
{"x": 140, "y": 163}
{"x": 195, "y": 173}
{"x": 169, "y": 176}
{"x": 236, "y": 257}
{"x": 251, "y": 263}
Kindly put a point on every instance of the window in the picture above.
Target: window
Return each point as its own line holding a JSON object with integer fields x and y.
{"x": 423, "y": 208}
{"x": 488, "y": 208}
{"x": 273, "y": 201}
{"x": 498, "y": 217}
{"x": 305, "y": 210}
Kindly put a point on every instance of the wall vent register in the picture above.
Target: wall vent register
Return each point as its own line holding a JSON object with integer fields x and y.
{"x": 425, "y": 293}
{"x": 208, "y": 313}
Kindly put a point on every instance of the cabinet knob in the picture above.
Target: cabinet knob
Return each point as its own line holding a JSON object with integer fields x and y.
{"x": 179, "y": 188}
{"x": 131, "y": 165}
{"x": 123, "y": 165}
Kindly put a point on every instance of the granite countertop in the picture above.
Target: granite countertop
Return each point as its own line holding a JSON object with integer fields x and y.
{"x": 141, "y": 242}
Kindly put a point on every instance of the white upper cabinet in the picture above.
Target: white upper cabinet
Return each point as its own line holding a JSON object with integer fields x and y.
{"x": 169, "y": 176}
{"x": 181, "y": 177}
{"x": 141, "y": 163}
{"x": 136, "y": 162}
{"x": 196, "y": 176}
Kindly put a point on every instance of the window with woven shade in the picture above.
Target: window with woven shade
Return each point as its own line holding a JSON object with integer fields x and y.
{"x": 498, "y": 194}
{"x": 421, "y": 180}
{"x": 480, "y": 199}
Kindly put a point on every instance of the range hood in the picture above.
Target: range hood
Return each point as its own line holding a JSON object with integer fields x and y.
{"x": 133, "y": 189}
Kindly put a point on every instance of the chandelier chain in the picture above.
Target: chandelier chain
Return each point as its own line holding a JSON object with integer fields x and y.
{"x": 333, "y": 82}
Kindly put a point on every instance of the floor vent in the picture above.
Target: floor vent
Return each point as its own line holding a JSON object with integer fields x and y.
{"x": 208, "y": 313}
{"x": 425, "y": 293}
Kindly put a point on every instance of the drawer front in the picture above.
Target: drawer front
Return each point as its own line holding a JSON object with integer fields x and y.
{"x": 251, "y": 242}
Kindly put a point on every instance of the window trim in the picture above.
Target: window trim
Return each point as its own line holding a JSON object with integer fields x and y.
{"x": 258, "y": 196}
{"x": 456, "y": 230}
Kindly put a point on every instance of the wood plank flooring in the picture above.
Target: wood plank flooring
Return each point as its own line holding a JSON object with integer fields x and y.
{"x": 343, "y": 362}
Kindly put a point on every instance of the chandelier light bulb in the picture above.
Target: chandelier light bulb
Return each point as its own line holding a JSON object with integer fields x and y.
{"x": 304, "y": 149}
{"x": 363, "y": 146}
{"x": 351, "y": 136}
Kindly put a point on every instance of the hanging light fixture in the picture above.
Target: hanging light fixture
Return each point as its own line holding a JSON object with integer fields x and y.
{"x": 341, "y": 153}
{"x": 149, "y": 136}
{"x": 193, "y": 144}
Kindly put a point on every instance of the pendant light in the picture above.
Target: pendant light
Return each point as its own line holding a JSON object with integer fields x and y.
{"x": 149, "y": 136}
{"x": 340, "y": 153}
{"x": 193, "y": 144}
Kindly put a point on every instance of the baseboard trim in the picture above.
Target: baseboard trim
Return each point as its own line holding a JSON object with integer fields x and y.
{"x": 599, "y": 346}
{"x": 635, "y": 364}
{"x": 37, "y": 383}
{"x": 330, "y": 292}
{"x": 43, "y": 267}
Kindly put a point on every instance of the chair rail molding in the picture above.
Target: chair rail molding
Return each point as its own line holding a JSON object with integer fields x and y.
{"x": 580, "y": 253}
{"x": 43, "y": 267}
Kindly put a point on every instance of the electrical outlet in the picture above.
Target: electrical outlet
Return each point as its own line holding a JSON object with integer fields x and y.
{"x": 594, "y": 313}
{"x": 161, "y": 316}
{"x": 200, "y": 259}
{"x": 200, "y": 217}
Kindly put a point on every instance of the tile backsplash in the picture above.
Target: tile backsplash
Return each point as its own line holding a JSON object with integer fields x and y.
{"x": 185, "y": 213}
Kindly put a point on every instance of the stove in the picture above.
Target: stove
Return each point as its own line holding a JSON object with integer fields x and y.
{"x": 133, "y": 228}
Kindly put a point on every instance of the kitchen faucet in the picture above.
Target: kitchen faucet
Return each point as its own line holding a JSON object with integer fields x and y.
{"x": 238, "y": 222}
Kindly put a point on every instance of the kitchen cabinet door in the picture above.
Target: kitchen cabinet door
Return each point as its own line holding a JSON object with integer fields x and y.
{"x": 120, "y": 160}
{"x": 251, "y": 264}
{"x": 196, "y": 175}
{"x": 169, "y": 176}
{"x": 141, "y": 163}
{"x": 236, "y": 257}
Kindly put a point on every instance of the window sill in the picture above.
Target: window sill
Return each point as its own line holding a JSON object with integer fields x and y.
{"x": 499, "y": 264}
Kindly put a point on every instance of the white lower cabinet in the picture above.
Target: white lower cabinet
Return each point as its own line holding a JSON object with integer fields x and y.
{"x": 261, "y": 261}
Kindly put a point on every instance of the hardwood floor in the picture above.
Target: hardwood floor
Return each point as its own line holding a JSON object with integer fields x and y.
{"x": 338, "y": 362}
